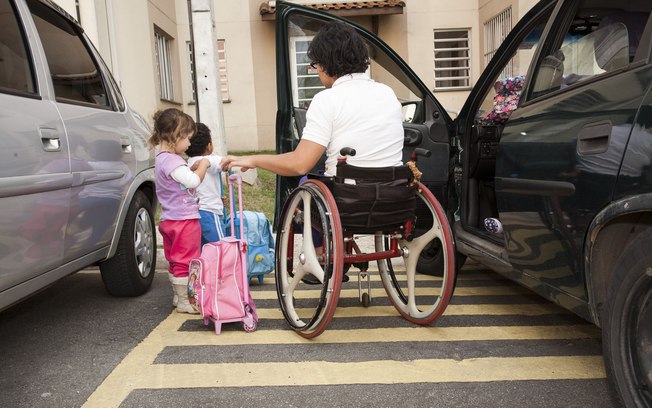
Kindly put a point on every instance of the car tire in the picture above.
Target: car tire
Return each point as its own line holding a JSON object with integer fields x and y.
{"x": 431, "y": 261}
{"x": 627, "y": 324}
{"x": 131, "y": 270}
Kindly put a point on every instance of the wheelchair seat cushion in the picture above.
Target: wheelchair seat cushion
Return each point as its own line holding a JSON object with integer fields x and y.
{"x": 373, "y": 199}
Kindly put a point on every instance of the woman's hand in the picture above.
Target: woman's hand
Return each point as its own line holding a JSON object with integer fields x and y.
{"x": 295, "y": 163}
{"x": 244, "y": 162}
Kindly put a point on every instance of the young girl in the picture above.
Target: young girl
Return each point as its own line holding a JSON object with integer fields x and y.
{"x": 175, "y": 188}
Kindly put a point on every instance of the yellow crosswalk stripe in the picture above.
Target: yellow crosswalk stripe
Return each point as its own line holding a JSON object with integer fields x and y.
{"x": 451, "y": 310}
{"x": 375, "y": 277}
{"x": 138, "y": 371}
{"x": 368, "y": 372}
{"x": 353, "y": 293}
{"x": 168, "y": 332}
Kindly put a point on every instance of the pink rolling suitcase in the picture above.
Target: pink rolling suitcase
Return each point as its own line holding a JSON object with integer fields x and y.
{"x": 218, "y": 285}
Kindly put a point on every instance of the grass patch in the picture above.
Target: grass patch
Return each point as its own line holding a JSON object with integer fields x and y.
{"x": 261, "y": 196}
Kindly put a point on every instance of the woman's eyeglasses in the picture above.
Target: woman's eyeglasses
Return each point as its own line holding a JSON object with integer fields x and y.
{"x": 313, "y": 65}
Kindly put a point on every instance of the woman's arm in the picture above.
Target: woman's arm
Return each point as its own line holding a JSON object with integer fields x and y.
{"x": 295, "y": 163}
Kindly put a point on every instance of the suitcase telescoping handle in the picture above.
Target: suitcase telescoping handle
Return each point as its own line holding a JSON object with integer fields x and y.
{"x": 238, "y": 179}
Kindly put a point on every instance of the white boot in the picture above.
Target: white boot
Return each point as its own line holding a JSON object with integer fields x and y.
{"x": 175, "y": 298}
{"x": 180, "y": 288}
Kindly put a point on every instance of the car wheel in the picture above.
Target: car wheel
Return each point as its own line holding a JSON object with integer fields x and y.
{"x": 131, "y": 270}
{"x": 431, "y": 261}
{"x": 627, "y": 324}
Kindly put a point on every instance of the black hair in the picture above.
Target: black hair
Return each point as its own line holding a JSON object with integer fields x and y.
{"x": 199, "y": 141}
{"x": 339, "y": 49}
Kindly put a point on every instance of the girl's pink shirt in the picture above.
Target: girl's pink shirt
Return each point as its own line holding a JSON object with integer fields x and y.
{"x": 177, "y": 201}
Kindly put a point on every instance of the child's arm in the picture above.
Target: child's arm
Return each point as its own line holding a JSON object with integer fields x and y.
{"x": 193, "y": 176}
{"x": 200, "y": 167}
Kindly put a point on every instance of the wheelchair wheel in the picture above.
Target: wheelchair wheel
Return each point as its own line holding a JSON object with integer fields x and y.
{"x": 422, "y": 301}
{"x": 309, "y": 214}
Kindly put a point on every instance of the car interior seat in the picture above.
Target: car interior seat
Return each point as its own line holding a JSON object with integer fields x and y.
{"x": 634, "y": 22}
{"x": 550, "y": 74}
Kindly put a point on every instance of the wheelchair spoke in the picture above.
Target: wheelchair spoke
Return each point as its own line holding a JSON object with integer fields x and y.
{"x": 424, "y": 302}
{"x": 301, "y": 267}
{"x": 308, "y": 257}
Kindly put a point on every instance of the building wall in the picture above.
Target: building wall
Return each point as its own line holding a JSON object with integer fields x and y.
{"x": 185, "y": 81}
{"x": 423, "y": 17}
{"x": 125, "y": 38}
{"x": 234, "y": 23}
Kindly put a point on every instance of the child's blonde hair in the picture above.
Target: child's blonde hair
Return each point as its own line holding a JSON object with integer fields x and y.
{"x": 170, "y": 126}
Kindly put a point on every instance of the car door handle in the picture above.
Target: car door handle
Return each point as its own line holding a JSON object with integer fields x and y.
{"x": 412, "y": 137}
{"x": 125, "y": 142}
{"x": 50, "y": 139}
{"x": 594, "y": 138}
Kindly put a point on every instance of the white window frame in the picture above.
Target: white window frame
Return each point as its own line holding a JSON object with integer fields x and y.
{"x": 460, "y": 55}
{"x": 495, "y": 32}
{"x": 191, "y": 69}
{"x": 294, "y": 70}
{"x": 221, "y": 59}
{"x": 164, "y": 65}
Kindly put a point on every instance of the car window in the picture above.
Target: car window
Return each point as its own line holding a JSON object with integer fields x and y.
{"x": 75, "y": 75}
{"x": 501, "y": 100}
{"x": 112, "y": 85}
{"x": 597, "y": 41}
{"x": 16, "y": 71}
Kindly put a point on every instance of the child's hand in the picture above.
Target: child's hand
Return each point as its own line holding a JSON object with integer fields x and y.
{"x": 203, "y": 162}
{"x": 200, "y": 167}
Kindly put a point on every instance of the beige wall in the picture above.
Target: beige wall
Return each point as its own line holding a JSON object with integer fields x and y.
{"x": 249, "y": 116}
{"x": 423, "y": 16}
{"x": 185, "y": 82}
{"x": 233, "y": 23}
{"x": 264, "y": 75}
{"x": 135, "y": 55}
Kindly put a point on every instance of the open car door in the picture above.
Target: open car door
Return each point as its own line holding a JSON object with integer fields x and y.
{"x": 426, "y": 123}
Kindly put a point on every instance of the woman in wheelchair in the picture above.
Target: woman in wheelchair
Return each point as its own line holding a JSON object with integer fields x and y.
{"x": 372, "y": 194}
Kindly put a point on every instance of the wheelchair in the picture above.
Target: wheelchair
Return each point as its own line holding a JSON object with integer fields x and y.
{"x": 314, "y": 246}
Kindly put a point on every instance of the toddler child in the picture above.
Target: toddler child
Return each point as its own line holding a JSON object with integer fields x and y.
{"x": 175, "y": 188}
{"x": 209, "y": 192}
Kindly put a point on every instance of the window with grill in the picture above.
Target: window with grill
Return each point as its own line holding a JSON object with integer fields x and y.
{"x": 191, "y": 64}
{"x": 495, "y": 31}
{"x": 164, "y": 65}
{"x": 306, "y": 83}
{"x": 452, "y": 60}
{"x": 221, "y": 55}
{"x": 224, "y": 82}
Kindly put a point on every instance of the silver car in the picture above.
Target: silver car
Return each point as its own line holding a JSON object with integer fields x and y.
{"x": 76, "y": 175}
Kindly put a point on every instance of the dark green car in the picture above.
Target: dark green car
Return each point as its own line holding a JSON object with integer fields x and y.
{"x": 546, "y": 172}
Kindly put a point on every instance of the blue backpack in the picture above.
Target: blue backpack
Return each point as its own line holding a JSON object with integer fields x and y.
{"x": 260, "y": 243}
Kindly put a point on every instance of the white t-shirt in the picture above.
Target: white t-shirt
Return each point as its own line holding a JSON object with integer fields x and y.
{"x": 209, "y": 191}
{"x": 360, "y": 113}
